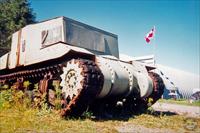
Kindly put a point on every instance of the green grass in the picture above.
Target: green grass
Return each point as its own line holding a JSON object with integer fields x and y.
{"x": 180, "y": 101}
{"x": 32, "y": 120}
{"x": 14, "y": 120}
{"x": 16, "y": 116}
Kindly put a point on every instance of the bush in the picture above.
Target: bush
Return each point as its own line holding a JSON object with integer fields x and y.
{"x": 5, "y": 99}
{"x": 25, "y": 99}
{"x": 14, "y": 98}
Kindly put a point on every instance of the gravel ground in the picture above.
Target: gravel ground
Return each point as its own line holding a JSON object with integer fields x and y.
{"x": 132, "y": 128}
{"x": 190, "y": 111}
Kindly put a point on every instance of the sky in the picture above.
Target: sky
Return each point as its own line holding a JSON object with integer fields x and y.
{"x": 177, "y": 22}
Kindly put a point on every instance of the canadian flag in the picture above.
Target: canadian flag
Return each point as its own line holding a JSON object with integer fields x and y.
{"x": 150, "y": 35}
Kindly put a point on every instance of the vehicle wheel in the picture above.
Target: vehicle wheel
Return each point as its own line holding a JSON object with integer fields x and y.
{"x": 81, "y": 81}
{"x": 158, "y": 88}
{"x": 138, "y": 105}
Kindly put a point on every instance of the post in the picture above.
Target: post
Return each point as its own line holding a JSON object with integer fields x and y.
{"x": 154, "y": 47}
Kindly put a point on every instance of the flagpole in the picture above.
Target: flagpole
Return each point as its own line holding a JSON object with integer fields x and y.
{"x": 148, "y": 37}
{"x": 154, "y": 47}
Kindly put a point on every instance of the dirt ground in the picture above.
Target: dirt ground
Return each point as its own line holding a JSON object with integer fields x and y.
{"x": 190, "y": 125}
{"x": 190, "y": 111}
{"x": 133, "y": 128}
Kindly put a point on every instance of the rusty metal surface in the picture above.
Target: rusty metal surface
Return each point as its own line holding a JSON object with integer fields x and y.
{"x": 91, "y": 86}
{"x": 158, "y": 87}
{"x": 18, "y": 47}
{"x": 43, "y": 85}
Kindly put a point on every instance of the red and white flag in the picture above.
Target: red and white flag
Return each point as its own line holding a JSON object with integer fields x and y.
{"x": 150, "y": 35}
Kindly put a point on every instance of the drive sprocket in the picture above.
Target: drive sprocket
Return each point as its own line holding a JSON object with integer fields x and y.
{"x": 81, "y": 81}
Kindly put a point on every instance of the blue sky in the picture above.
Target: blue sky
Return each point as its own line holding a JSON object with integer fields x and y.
{"x": 177, "y": 25}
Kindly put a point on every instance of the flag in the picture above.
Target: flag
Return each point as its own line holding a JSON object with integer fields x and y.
{"x": 150, "y": 35}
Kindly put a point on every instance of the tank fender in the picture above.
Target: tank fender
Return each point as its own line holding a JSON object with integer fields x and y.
{"x": 53, "y": 52}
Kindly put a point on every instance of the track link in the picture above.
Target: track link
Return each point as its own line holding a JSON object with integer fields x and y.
{"x": 138, "y": 105}
{"x": 158, "y": 87}
{"x": 33, "y": 74}
{"x": 92, "y": 84}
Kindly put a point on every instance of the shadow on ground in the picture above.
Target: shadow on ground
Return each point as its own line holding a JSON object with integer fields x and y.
{"x": 161, "y": 113}
{"x": 125, "y": 117}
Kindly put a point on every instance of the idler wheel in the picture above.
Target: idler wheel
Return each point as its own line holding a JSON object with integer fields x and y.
{"x": 138, "y": 105}
{"x": 158, "y": 88}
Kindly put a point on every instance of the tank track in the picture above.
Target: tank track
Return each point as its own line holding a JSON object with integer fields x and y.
{"x": 92, "y": 83}
{"x": 33, "y": 74}
{"x": 158, "y": 87}
{"x": 139, "y": 105}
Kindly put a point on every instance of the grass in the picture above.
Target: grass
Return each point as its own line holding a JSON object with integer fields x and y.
{"x": 171, "y": 122}
{"x": 32, "y": 120}
{"x": 14, "y": 120}
{"x": 16, "y": 116}
{"x": 180, "y": 101}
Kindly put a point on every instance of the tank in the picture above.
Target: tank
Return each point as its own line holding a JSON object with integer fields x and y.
{"x": 84, "y": 60}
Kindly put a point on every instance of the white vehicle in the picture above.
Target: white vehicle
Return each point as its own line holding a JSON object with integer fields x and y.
{"x": 84, "y": 59}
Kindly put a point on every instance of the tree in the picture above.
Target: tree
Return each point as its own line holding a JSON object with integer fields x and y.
{"x": 14, "y": 14}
